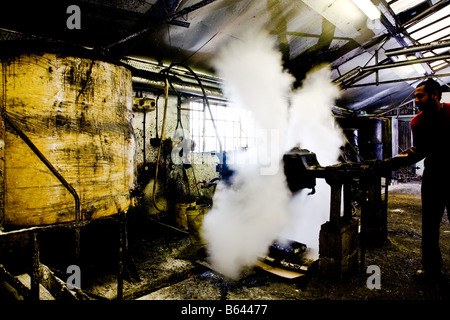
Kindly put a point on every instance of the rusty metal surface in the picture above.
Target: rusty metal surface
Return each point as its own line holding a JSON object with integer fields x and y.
{"x": 76, "y": 112}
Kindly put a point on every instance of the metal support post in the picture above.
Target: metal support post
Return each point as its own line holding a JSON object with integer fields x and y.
{"x": 347, "y": 199}
{"x": 122, "y": 239}
{"x": 77, "y": 246}
{"x": 335, "y": 205}
{"x": 335, "y": 182}
{"x": 35, "y": 272}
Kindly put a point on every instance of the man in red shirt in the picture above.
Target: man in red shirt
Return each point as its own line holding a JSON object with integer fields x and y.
{"x": 431, "y": 140}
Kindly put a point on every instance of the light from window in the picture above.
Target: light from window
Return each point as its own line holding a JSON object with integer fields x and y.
{"x": 235, "y": 127}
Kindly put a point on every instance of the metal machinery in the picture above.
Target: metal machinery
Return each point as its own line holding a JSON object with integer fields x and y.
{"x": 354, "y": 183}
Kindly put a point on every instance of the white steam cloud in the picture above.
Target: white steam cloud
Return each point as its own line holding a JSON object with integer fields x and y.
{"x": 258, "y": 208}
{"x": 312, "y": 125}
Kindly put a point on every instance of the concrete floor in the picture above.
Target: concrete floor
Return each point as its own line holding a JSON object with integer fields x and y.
{"x": 170, "y": 278}
{"x": 169, "y": 269}
{"x": 164, "y": 276}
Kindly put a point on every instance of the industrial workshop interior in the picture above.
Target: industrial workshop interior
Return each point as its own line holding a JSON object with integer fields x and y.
{"x": 221, "y": 150}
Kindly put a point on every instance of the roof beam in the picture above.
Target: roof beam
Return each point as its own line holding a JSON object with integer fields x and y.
{"x": 425, "y": 14}
{"x": 413, "y": 49}
{"x": 359, "y": 73}
{"x": 163, "y": 11}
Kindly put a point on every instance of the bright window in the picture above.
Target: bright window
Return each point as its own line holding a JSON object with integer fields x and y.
{"x": 235, "y": 127}
{"x": 402, "y": 5}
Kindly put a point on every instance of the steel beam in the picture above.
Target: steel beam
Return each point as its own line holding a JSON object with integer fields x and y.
{"x": 412, "y": 49}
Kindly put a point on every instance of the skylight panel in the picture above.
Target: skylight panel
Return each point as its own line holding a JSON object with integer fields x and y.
{"x": 402, "y": 5}
{"x": 430, "y": 19}
{"x": 430, "y": 29}
{"x": 436, "y": 36}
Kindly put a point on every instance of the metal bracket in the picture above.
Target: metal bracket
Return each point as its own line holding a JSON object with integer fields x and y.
{"x": 47, "y": 163}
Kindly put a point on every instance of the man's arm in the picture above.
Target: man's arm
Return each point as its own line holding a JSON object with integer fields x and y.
{"x": 406, "y": 158}
{"x": 413, "y": 154}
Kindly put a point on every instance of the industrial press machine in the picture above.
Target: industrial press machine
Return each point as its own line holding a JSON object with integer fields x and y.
{"x": 354, "y": 183}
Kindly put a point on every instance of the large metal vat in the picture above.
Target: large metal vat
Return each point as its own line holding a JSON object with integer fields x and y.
{"x": 370, "y": 138}
{"x": 76, "y": 112}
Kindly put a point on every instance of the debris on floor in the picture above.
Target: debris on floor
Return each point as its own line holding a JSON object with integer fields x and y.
{"x": 163, "y": 265}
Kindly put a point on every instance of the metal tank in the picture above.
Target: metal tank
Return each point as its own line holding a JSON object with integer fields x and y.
{"x": 67, "y": 150}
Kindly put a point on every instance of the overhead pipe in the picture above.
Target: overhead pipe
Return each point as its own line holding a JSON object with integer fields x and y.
{"x": 407, "y": 62}
{"x": 149, "y": 74}
{"x": 348, "y": 75}
{"x": 167, "y": 20}
{"x": 400, "y": 80}
{"x": 413, "y": 49}
{"x": 359, "y": 70}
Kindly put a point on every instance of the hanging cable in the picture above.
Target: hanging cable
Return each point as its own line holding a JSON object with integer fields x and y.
{"x": 156, "y": 116}
{"x": 204, "y": 95}
{"x": 180, "y": 123}
{"x": 166, "y": 98}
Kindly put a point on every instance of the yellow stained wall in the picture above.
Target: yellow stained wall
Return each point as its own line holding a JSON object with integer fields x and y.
{"x": 77, "y": 112}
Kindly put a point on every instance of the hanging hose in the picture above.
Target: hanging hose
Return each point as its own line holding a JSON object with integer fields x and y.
{"x": 166, "y": 98}
{"x": 204, "y": 95}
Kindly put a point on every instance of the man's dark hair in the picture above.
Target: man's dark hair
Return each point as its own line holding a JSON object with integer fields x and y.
{"x": 431, "y": 86}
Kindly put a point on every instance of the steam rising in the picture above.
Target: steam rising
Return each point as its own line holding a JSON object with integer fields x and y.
{"x": 258, "y": 208}
{"x": 312, "y": 126}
